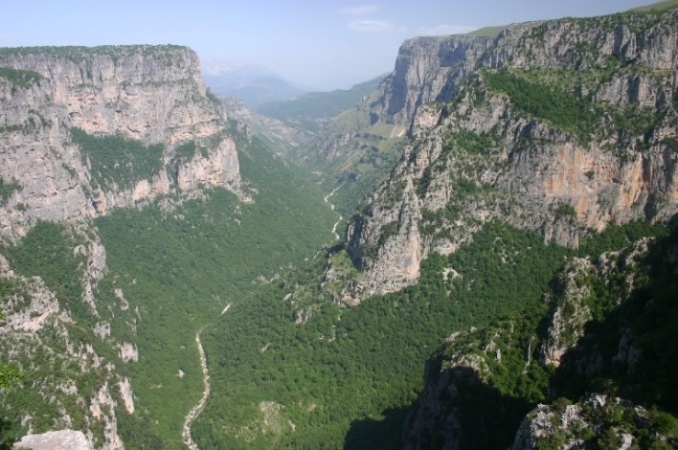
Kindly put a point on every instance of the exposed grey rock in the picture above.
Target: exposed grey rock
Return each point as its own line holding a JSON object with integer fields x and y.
{"x": 571, "y": 426}
{"x": 150, "y": 94}
{"x": 55, "y": 440}
{"x": 569, "y": 318}
{"x": 535, "y": 176}
{"x": 467, "y": 365}
{"x": 464, "y": 363}
{"x": 432, "y": 69}
{"x": 154, "y": 95}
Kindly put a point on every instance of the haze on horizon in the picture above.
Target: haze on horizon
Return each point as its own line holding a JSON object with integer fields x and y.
{"x": 321, "y": 45}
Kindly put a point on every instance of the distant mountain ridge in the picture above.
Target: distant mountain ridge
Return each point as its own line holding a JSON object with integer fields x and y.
{"x": 252, "y": 84}
{"x": 312, "y": 108}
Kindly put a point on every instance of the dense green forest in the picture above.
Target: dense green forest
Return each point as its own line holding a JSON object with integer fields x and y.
{"x": 348, "y": 377}
{"x": 491, "y": 402}
{"x": 181, "y": 268}
{"x": 557, "y": 96}
{"x": 288, "y": 372}
{"x": 115, "y": 160}
{"x": 261, "y": 282}
{"x": 178, "y": 269}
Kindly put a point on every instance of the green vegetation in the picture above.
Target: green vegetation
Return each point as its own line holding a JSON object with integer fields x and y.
{"x": 468, "y": 188}
{"x": 9, "y": 375}
{"x": 50, "y": 251}
{"x": 47, "y": 251}
{"x": 348, "y": 377}
{"x": 289, "y": 367}
{"x": 474, "y": 143}
{"x": 551, "y": 95}
{"x": 381, "y": 129}
{"x": 309, "y": 109}
{"x": 561, "y": 108}
{"x": 350, "y": 121}
{"x": 387, "y": 231}
{"x": 488, "y": 31}
{"x": 358, "y": 173}
{"x": 649, "y": 313}
{"x": 655, "y": 7}
{"x": 331, "y": 373}
{"x": 181, "y": 269}
{"x": 564, "y": 211}
{"x": 186, "y": 150}
{"x": 491, "y": 405}
{"x": 6, "y": 190}
{"x": 355, "y": 169}
{"x": 490, "y": 402}
{"x": 22, "y": 79}
{"x": 78, "y": 54}
{"x": 116, "y": 160}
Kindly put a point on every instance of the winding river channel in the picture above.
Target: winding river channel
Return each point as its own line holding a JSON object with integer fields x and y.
{"x": 197, "y": 409}
{"x": 336, "y": 224}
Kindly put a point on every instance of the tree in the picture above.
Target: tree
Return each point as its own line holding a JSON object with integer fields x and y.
{"x": 9, "y": 377}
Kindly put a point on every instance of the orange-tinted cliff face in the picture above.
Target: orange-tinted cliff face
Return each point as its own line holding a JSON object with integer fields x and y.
{"x": 485, "y": 144}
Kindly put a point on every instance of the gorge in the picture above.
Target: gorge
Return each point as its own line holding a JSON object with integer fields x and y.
{"x": 480, "y": 254}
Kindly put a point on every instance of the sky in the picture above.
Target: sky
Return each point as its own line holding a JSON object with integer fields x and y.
{"x": 320, "y": 44}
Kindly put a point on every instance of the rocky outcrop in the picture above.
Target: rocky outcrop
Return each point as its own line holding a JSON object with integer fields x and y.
{"x": 461, "y": 370}
{"x": 448, "y": 413}
{"x": 479, "y": 151}
{"x": 55, "y": 440}
{"x": 84, "y": 131}
{"x": 428, "y": 69}
{"x": 571, "y": 311}
{"x": 433, "y": 69}
{"x": 605, "y": 320}
{"x": 572, "y": 303}
{"x": 37, "y": 337}
{"x": 596, "y": 420}
{"x": 152, "y": 95}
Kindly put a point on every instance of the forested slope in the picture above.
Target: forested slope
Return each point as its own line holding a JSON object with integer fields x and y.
{"x": 509, "y": 248}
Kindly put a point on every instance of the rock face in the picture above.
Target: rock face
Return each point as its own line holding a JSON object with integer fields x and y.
{"x": 481, "y": 149}
{"x": 153, "y": 95}
{"x": 568, "y": 426}
{"x": 569, "y": 318}
{"x": 55, "y": 440}
{"x": 605, "y": 321}
{"x": 83, "y": 131}
{"x": 41, "y": 334}
{"x": 286, "y": 139}
{"x": 433, "y": 69}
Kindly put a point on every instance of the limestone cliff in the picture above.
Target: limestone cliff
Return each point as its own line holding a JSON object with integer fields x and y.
{"x": 560, "y": 127}
{"x": 153, "y": 95}
{"x": 594, "y": 421}
{"x": 83, "y": 131}
{"x": 589, "y": 372}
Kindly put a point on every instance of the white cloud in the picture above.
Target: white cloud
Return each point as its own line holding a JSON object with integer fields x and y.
{"x": 444, "y": 29}
{"x": 373, "y": 26}
{"x": 359, "y": 10}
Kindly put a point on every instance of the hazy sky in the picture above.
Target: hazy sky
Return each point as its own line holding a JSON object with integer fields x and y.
{"x": 322, "y": 44}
